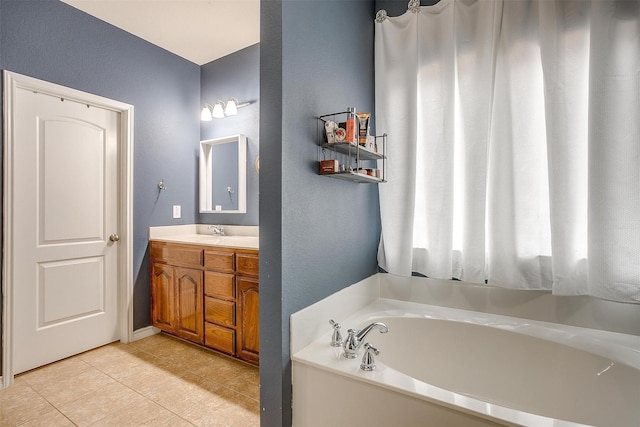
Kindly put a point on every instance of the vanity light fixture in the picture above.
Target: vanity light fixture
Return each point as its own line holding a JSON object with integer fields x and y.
{"x": 232, "y": 107}
{"x": 220, "y": 109}
{"x": 206, "y": 116}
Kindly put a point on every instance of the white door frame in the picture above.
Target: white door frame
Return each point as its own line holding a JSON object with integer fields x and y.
{"x": 12, "y": 81}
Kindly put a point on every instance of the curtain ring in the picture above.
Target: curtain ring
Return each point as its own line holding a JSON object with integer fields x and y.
{"x": 381, "y": 16}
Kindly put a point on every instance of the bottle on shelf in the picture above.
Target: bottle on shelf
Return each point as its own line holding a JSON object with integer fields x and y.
{"x": 351, "y": 136}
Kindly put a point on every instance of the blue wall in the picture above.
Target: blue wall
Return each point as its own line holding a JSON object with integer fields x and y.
{"x": 52, "y": 41}
{"x": 317, "y": 234}
{"x": 236, "y": 75}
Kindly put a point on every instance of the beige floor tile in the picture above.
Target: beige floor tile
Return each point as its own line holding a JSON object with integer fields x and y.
{"x": 20, "y": 404}
{"x": 157, "y": 344}
{"x": 221, "y": 407}
{"x": 145, "y": 356}
{"x": 180, "y": 352}
{"x": 245, "y": 379}
{"x": 17, "y": 380}
{"x": 246, "y": 383}
{"x": 146, "y": 381}
{"x": 178, "y": 394}
{"x": 114, "y": 351}
{"x": 144, "y": 414}
{"x": 204, "y": 384}
{"x": 96, "y": 405}
{"x": 18, "y": 388}
{"x": 203, "y": 412}
{"x": 74, "y": 387}
{"x": 175, "y": 366}
{"x": 238, "y": 401}
{"x": 198, "y": 356}
{"x": 220, "y": 370}
{"x": 232, "y": 418}
{"x": 55, "y": 372}
{"x": 122, "y": 367}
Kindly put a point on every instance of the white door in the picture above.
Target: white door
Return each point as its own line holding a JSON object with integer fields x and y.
{"x": 64, "y": 211}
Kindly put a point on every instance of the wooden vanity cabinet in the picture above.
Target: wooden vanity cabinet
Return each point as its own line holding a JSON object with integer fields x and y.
{"x": 208, "y": 295}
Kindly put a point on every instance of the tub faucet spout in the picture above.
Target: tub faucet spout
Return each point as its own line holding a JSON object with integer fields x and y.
{"x": 355, "y": 338}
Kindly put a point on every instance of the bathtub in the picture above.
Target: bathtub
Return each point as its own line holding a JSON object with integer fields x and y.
{"x": 441, "y": 366}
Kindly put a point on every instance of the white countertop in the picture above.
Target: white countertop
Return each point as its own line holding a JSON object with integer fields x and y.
{"x": 242, "y": 237}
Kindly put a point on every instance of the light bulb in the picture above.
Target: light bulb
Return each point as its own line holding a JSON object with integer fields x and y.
{"x": 218, "y": 110}
{"x": 205, "y": 116}
{"x": 232, "y": 107}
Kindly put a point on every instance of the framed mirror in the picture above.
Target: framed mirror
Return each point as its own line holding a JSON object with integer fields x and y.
{"x": 223, "y": 175}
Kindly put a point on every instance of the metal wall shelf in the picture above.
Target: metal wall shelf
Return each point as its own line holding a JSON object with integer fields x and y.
{"x": 354, "y": 177}
{"x": 349, "y": 148}
{"x": 350, "y": 155}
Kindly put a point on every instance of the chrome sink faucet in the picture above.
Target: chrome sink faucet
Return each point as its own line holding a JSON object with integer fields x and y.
{"x": 216, "y": 230}
{"x": 355, "y": 338}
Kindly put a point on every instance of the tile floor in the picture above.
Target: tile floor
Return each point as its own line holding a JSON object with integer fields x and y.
{"x": 156, "y": 381}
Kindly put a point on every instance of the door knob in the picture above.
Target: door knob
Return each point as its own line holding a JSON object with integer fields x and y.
{"x": 114, "y": 237}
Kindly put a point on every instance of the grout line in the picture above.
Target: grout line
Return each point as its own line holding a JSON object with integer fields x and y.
{"x": 52, "y": 405}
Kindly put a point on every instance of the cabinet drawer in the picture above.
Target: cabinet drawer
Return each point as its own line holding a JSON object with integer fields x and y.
{"x": 219, "y": 338}
{"x": 248, "y": 264}
{"x": 177, "y": 255}
{"x": 220, "y": 312}
{"x": 219, "y": 285}
{"x": 219, "y": 261}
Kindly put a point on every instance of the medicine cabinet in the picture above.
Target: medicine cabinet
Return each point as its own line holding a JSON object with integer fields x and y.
{"x": 223, "y": 174}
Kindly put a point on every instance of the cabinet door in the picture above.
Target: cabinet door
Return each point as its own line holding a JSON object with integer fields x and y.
{"x": 189, "y": 304}
{"x": 162, "y": 297}
{"x": 248, "y": 315}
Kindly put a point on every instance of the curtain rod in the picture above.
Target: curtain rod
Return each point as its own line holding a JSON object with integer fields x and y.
{"x": 413, "y": 7}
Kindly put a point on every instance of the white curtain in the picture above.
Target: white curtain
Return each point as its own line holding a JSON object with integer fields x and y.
{"x": 514, "y": 144}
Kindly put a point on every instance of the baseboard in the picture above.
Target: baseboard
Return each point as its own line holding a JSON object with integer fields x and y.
{"x": 141, "y": 333}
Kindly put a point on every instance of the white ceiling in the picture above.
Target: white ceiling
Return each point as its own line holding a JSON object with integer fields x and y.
{"x": 198, "y": 30}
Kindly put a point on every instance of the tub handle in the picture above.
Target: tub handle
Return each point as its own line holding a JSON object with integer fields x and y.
{"x": 368, "y": 361}
{"x": 336, "y": 338}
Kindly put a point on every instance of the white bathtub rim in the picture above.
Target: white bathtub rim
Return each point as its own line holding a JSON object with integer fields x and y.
{"x": 618, "y": 347}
